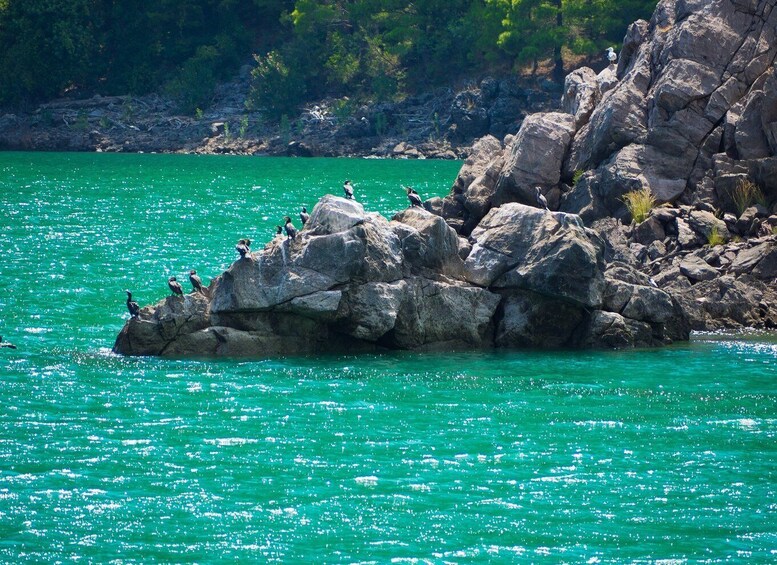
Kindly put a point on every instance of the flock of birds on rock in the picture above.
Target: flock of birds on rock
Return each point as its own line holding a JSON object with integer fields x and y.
{"x": 243, "y": 247}
{"x": 174, "y": 286}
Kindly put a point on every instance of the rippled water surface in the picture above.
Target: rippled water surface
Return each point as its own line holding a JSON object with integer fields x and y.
{"x": 500, "y": 456}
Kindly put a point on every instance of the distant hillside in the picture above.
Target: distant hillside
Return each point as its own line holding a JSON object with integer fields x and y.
{"x": 302, "y": 50}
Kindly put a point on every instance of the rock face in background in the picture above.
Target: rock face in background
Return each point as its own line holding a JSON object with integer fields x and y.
{"x": 689, "y": 113}
{"x": 354, "y": 281}
{"x": 690, "y": 110}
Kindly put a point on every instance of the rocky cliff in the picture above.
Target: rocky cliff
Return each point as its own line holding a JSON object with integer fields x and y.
{"x": 688, "y": 114}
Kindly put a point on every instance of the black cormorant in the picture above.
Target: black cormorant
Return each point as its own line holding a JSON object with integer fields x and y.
{"x": 304, "y": 216}
{"x": 348, "y": 189}
{"x": 412, "y": 195}
{"x": 542, "y": 202}
{"x": 243, "y": 247}
{"x": 278, "y": 230}
{"x": 196, "y": 281}
{"x": 132, "y": 306}
{"x": 291, "y": 231}
{"x": 175, "y": 286}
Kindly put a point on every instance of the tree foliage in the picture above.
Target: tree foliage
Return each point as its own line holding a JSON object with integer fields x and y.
{"x": 367, "y": 49}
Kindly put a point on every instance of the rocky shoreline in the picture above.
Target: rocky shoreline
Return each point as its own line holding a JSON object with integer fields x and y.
{"x": 441, "y": 124}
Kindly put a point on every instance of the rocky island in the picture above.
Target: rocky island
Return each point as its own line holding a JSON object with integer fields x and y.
{"x": 688, "y": 115}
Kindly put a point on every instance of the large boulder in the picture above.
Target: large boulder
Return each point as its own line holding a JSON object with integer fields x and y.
{"x": 521, "y": 247}
{"x": 535, "y": 157}
{"x": 427, "y": 241}
{"x": 581, "y": 93}
{"x": 444, "y": 315}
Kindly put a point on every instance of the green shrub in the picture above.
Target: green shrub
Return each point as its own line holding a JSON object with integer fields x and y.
{"x": 276, "y": 88}
{"x": 639, "y": 203}
{"x": 343, "y": 108}
{"x": 576, "y": 176}
{"x": 381, "y": 124}
{"x": 193, "y": 85}
{"x": 714, "y": 238}
{"x": 746, "y": 194}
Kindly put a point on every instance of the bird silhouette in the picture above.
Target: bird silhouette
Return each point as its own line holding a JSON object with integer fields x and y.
{"x": 348, "y": 189}
{"x": 132, "y": 306}
{"x": 175, "y": 286}
{"x": 412, "y": 195}
{"x": 291, "y": 231}
{"x": 612, "y": 56}
{"x": 196, "y": 281}
{"x": 243, "y": 247}
{"x": 304, "y": 216}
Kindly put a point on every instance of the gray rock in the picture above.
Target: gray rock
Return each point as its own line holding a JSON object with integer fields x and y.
{"x": 484, "y": 152}
{"x": 607, "y": 79}
{"x": 581, "y": 93}
{"x": 747, "y": 223}
{"x": 655, "y": 250}
{"x": 530, "y": 320}
{"x": 535, "y": 157}
{"x": 728, "y": 303}
{"x": 649, "y": 231}
{"x": 333, "y": 215}
{"x": 697, "y": 269}
{"x": 153, "y": 331}
{"x": 526, "y": 248}
{"x": 369, "y": 311}
{"x": 321, "y": 305}
{"x": 760, "y": 259}
{"x": 437, "y": 315}
{"x": 468, "y": 117}
{"x": 439, "y": 244}
{"x": 686, "y": 237}
{"x": 611, "y": 330}
{"x": 704, "y": 223}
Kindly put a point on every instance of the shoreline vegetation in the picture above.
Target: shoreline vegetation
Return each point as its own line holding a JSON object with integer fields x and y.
{"x": 290, "y": 77}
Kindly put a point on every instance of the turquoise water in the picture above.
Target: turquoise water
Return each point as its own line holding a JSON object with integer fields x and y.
{"x": 548, "y": 457}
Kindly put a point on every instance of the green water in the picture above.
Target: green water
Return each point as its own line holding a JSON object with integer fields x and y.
{"x": 582, "y": 457}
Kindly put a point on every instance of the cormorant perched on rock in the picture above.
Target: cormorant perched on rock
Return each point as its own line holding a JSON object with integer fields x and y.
{"x": 132, "y": 306}
{"x": 196, "y": 281}
{"x": 11, "y": 345}
{"x": 175, "y": 286}
{"x": 542, "y": 202}
{"x": 412, "y": 195}
{"x": 278, "y": 230}
{"x": 348, "y": 189}
{"x": 243, "y": 247}
{"x": 291, "y": 231}
{"x": 304, "y": 216}
{"x": 612, "y": 56}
